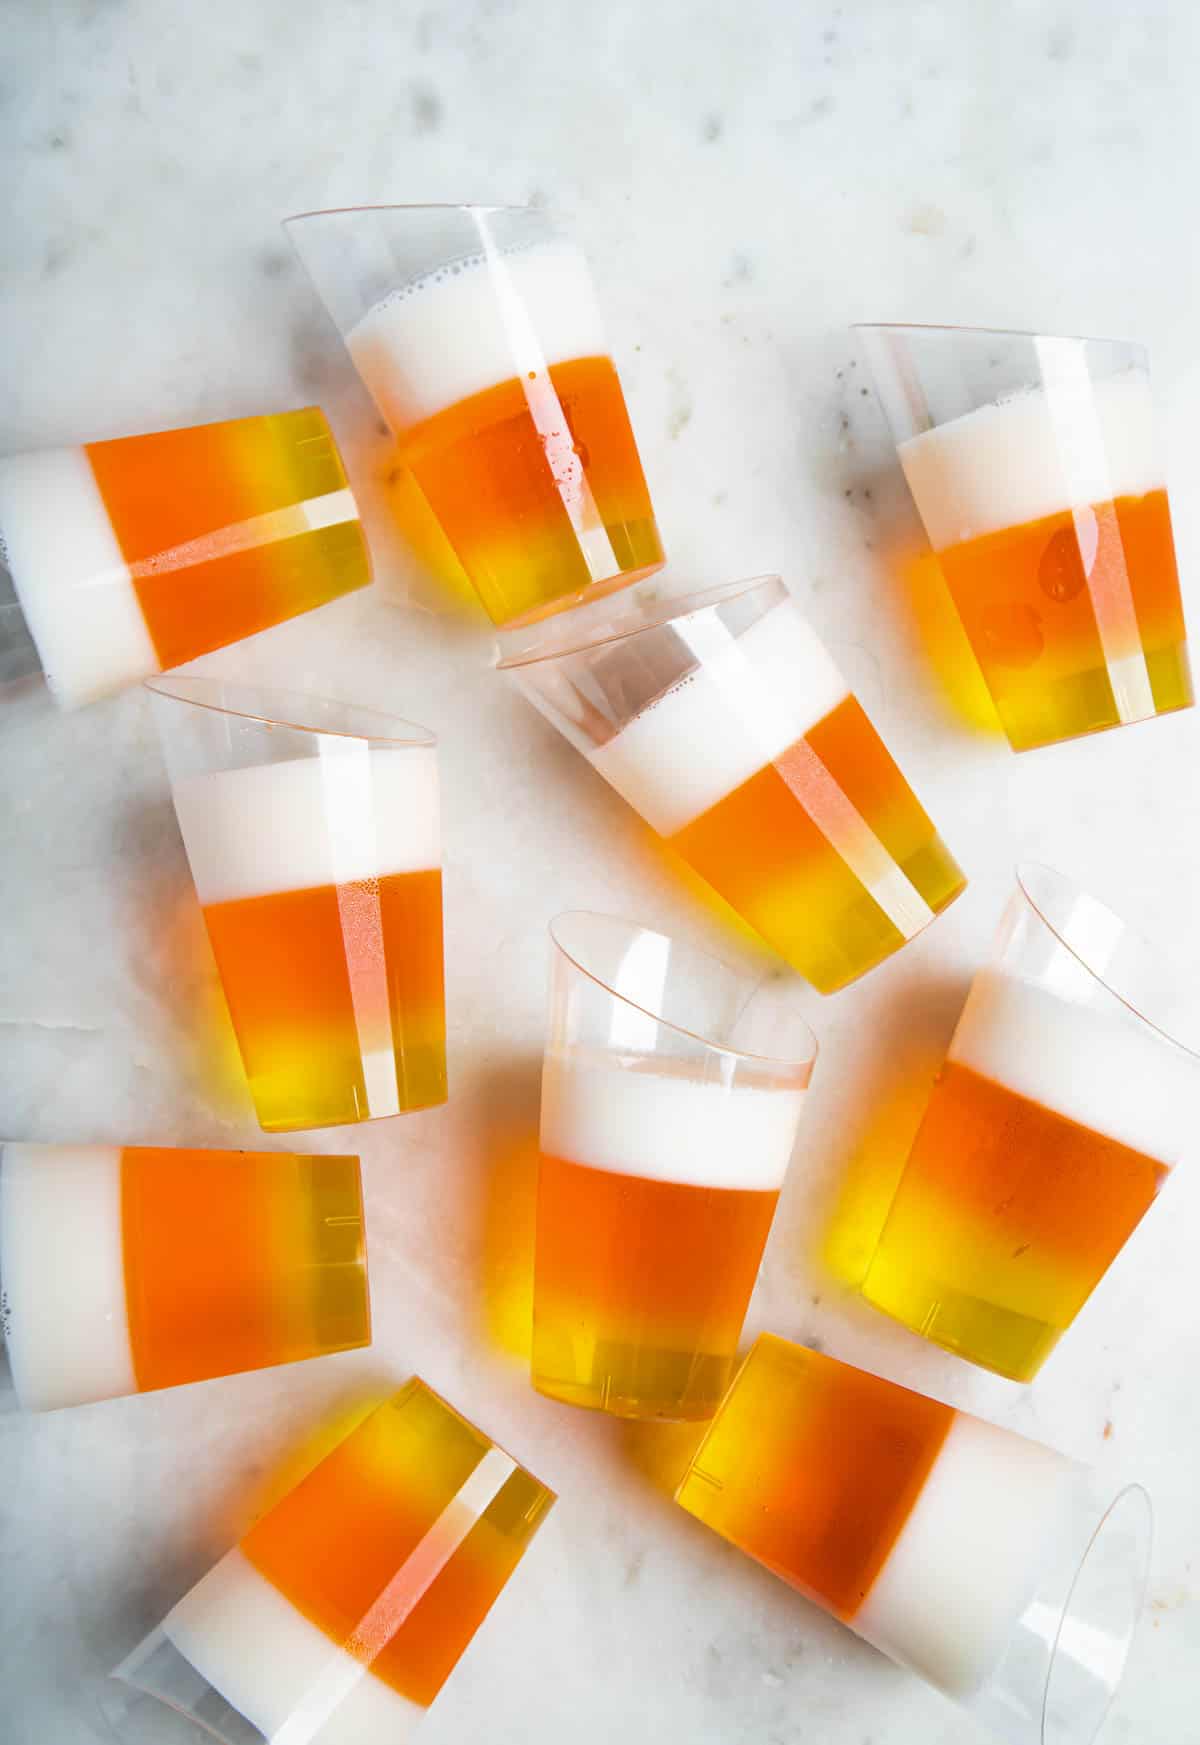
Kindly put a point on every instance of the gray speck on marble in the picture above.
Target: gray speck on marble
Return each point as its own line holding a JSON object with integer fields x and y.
{"x": 427, "y": 109}
{"x": 250, "y": 64}
{"x": 711, "y": 128}
{"x": 57, "y": 254}
{"x": 1061, "y": 43}
{"x": 633, "y": 1569}
{"x": 679, "y": 415}
{"x": 816, "y": 111}
{"x": 273, "y": 263}
{"x": 741, "y": 268}
{"x": 423, "y": 34}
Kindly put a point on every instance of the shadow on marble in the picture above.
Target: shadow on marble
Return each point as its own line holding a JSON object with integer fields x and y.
{"x": 861, "y": 467}
{"x": 893, "y": 1095}
{"x": 414, "y": 563}
{"x": 170, "y": 959}
{"x": 507, "y": 1099}
{"x": 658, "y": 1453}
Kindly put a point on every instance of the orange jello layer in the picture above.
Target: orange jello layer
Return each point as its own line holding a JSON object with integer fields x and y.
{"x": 317, "y": 979}
{"x": 1023, "y": 597}
{"x": 813, "y": 1468}
{"x": 166, "y": 490}
{"x": 762, "y": 851}
{"x": 489, "y": 477}
{"x": 336, "y": 1542}
{"x": 647, "y": 1262}
{"x": 239, "y": 1259}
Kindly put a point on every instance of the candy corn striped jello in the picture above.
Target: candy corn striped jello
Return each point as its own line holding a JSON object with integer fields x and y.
{"x": 343, "y": 1611}
{"x": 477, "y": 331}
{"x": 1049, "y": 1132}
{"x": 740, "y": 743}
{"x": 1048, "y": 513}
{"x": 657, "y": 1188}
{"x": 320, "y": 880}
{"x": 922, "y": 1528}
{"x": 134, "y": 555}
{"x": 129, "y": 1268}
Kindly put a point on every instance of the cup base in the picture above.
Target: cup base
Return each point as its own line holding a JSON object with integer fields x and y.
{"x": 316, "y": 1124}
{"x": 657, "y": 1384}
{"x": 1008, "y": 1344}
{"x": 1036, "y": 742}
{"x": 602, "y": 1399}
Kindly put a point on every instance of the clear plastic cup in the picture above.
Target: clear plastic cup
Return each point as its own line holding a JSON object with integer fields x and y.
{"x": 128, "y": 1268}
{"x": 342, "y": 1612}
{"x": 672, "y": 1089}
{"x": 1064, "y": 1101}
{"x": 996, "y": 1569}
{"x": 1033, "y": 464}
{"x": 723, "y": 720}
{"x": 477, "y": 331}
{"x": 312, "y": 829}
{"x": 130, "y": 556}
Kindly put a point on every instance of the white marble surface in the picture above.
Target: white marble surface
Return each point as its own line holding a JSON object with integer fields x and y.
{"x": 748, "y": 179}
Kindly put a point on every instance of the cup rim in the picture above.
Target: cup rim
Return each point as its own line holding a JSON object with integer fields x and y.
{"x": 791, "y": 1062}
{"x": 1026, "y": 871}
{"x": 1128, "y": 1493}
{"x": 407, "y": 206}
{"x": 201, "y": 692}
{"x": 635, "y": 619}
{"x": 995, "y": 332}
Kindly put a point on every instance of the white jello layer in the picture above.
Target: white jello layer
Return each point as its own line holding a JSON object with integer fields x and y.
{"x": 62, "y": 1273}
{"x": 744, "y": 704}
{"x": 659, "y": 1120}
{"x": 350, "y": 813}
{"x": 969, "y": 1558}
{"x": 472, "y": 325}
{"x": 1094, "y": 1063}
{"x": 74, "y": 586}
{"x": 276, "y": 1668}
{"x": 1034, "y": 454}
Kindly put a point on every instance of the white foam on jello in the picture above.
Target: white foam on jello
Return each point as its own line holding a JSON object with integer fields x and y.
{"x": 1094, "y": 1063}
{"x": 354, "y": 812}
{"x": 62, "y": 1273}
{"x": 968, "y": 1560}
{"x": 1033, "y": 454}
{"x": 661, "y": 1121}
{"x": 749, "y": 699}
{"x": 270, "y": 1663}
{"x": 74, "y": 586}
{"x": 449, "y": 335}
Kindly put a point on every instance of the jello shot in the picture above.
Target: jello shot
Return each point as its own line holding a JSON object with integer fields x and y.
{"x": 1066, "y": 1097}
{"x": 136, "y": 554}
{"x": 128, "y": 1268}
{"x": 342, "y": 1612}
{"x": 721, "y": 717}
{"x": 312, "y": 829}
{"x": 1034, "y": 465}
{"x": 989, "y": 1565}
